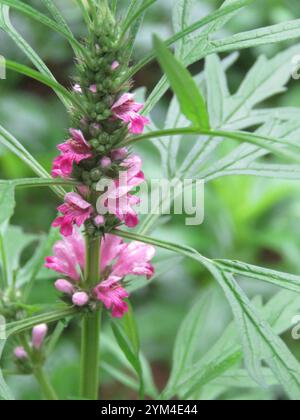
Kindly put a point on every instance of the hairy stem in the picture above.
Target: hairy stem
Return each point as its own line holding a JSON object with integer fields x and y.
{"x": 91, "y": 327}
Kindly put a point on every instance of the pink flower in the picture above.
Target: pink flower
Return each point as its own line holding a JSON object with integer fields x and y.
{"x": 93, "y": 88}
{"x": 75, "y": 210}
{"x": 119, "y": 154}
{"x": 20, "y": 353}
{"x": 73, "y": 150}
{"x": 105, "y": 162}
{"x": 115, "y": 65}
{"x": 64, "y": 286}
{"x": 38, "y": 335}
{"x": 69, "y": 256}
{"x": 134, "y": 259}
{"x": 117, "y": 199}
{"x": 80, "y": 299}
{"x": 118, "y": 260}
{"x": 127, "y": 110}
{"x": 77, "y": 88}
{"x": 112, "y": 294}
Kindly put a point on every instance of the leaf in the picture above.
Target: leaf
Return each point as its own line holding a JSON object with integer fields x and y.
{"x": 18, "y": 327}
{"x": 259, "y": 340}
{"x": 188, "y": 335}
{"x": 57, "y": 15}
{"x": 271, "y": 34}
{"x": 5, "y": 393}
{"x": 7, "y": 26}
{"x": 227, "y": 352}
{"x": 7, "y": 202}
{"x": 46, "y": 80}
{"x": 214, "y": 19}
{"x": 11, "y": 143}
{"x": 27, "y": 275}
{"x": 181, "y": 18}
{"x": 276, "y": 146}
{"x": 40, "y": 17}
{"x": 217, "y": 90}
{"x": 132, "y": 18}
{"x": 191, "y": 101}
{"x": 283, "y": 280}
{"x": 112, "y": 366}
{"x": 126, "y": 348}
{"x": 126, "y": 334}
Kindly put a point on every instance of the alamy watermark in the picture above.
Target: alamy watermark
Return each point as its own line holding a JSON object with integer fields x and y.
{"x": 296, "y": 327}
{"x": 159, "y": 197}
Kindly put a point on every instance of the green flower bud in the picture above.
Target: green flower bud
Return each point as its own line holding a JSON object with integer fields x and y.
{"x": 95, "y": 174}
{"x": 94, "y": 143}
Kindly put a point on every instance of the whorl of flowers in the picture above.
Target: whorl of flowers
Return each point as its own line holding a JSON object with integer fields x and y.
{"x": 95, "y": 150}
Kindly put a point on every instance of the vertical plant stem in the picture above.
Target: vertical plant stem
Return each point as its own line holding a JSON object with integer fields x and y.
{"x": 4, "y": 277}
{"x": 44, "y": 383}
{"x": 90, "y": 358}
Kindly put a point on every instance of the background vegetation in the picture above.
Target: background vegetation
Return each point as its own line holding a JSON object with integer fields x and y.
{"x": 250, "y": 219}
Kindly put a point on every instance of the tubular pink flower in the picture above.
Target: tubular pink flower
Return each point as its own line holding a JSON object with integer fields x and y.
{"x": 80, "y": 299}
{"x": 69, "y": 256}
{"x": 119, "y": 154}
{"x": 75, "y": 210}
{"x": 73, "y": 150}
{"x": 38, "y": 335}
{"x": 64, "y": 286}
{"x": 20, "y": 353}
{"x": 93, "y": 88}
{"x": 115, "y": 65}
{"x": 127, "y": 110}
{"x": 99, "y": 220}
{"x": 134, "y": 259}
{"x": 117, "y": 199}
{"x": 112, "y": 295}
{"x": 105, "y": 162}
{"x": 77, "y": 88}
{"x": 118, "y": 260}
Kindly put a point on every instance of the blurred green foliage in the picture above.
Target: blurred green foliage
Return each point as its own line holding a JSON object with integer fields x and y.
{"x": 250, "y": 219}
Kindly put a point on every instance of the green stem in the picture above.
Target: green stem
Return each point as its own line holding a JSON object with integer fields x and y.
{"x": 91, "y": 327}
{"x": 44, "y": 383}
{"x": 39, "y": 373}
{"x": 4, "y": 282}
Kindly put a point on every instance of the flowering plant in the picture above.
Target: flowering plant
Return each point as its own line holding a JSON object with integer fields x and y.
{"x": 93, "y": 251}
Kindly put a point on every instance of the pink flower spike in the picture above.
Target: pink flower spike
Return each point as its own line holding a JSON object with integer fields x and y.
{"x": 93, "y": 88}
{"x": 115, "y": 65}
{"x": 80, "y": 299}
{"x": 75, "y": 210}
{"x": 20, "y": 353}
{"x": 112, "y": 295}
{"x": 64, "y": 286}
{"x": 126, "y": 109}
{"x": 77, "y": 88}
{"x": 38, "y": 335}
{"x": 105, "y": 162}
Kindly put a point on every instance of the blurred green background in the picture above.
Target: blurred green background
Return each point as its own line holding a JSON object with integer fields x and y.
{"x": 258, "y": 223}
